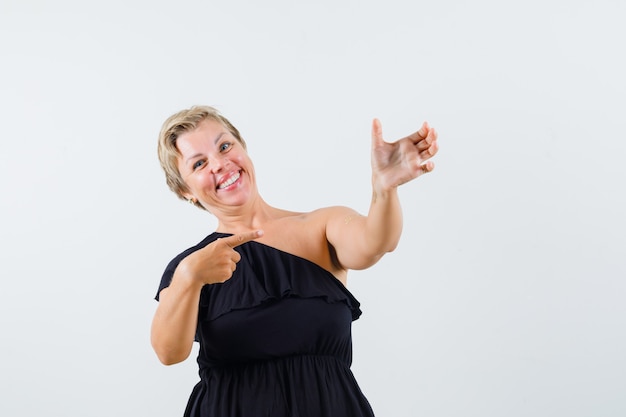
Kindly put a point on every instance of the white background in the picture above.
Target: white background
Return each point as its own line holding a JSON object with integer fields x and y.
{"x": 506, "y": 296}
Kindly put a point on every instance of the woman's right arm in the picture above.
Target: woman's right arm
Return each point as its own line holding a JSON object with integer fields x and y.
{"x": 176, "y": 318}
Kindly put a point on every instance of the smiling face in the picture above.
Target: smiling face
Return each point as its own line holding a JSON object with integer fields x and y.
{"x": 215, "y": 167}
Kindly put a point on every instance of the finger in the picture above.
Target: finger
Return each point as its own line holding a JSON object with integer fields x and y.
{"x": 429, "y": 152}
{"x": 427, "y": 141}
{"x": 377, "y": 133}
{"x": 424, "y": 130}
{"x": 241, "y": 238}
{"x": 421, "y": 134}
{"x": 427, "y": 167}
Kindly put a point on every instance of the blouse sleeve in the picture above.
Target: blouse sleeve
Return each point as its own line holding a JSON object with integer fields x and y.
{"x": 166, "y": 278}
{"x": 168, "y": 274}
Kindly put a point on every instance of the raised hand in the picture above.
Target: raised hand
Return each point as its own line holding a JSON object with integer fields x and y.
{"x": 217, "y": 261}
{"x": 399, "y": 162}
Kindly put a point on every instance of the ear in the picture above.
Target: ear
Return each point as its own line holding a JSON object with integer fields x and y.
{"x": 189, "y": 197}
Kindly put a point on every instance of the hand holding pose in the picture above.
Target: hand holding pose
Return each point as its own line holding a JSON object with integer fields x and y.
{"x": 399, "y": 162}
{"x": 361, "y": 241}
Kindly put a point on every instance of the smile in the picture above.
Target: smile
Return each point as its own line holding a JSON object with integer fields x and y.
{"x": 230, "y": 181}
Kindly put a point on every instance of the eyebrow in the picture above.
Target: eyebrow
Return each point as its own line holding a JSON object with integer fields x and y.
{"x": 217, "y": 139}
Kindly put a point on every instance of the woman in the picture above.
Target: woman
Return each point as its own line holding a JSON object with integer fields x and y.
{"x": 265, "y": 294}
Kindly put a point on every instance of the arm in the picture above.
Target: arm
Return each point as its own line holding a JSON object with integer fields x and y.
{"x": 176, "y": 318}
{"x": 360, "y": 241}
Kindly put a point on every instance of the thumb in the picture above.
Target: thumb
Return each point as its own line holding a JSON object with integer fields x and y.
{"x": 241, "y": 238}
{"x": 377, "y": 133}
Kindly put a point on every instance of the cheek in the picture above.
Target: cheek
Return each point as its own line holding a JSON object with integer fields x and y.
{"x": 244, "y": 161}
{"x": 241, "y": 161}
{"x": 200, "y": 181}
{"x": 247, "y": 163}
{"x": 206, "y": 178}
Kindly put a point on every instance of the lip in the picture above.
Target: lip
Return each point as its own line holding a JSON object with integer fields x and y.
{"x": 228, "y": 177}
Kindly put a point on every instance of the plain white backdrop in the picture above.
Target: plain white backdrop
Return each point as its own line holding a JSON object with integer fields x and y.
{"x": 506, "y": 294}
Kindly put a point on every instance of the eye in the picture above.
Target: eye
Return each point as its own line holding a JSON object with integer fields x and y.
{"x": 225, "y": 146}
{"x": 197, "y": 164}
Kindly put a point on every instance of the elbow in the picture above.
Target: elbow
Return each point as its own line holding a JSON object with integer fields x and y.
{"x": 370, "y": 258}
{"x": 376, "y": 244}
{"x": 392, "y": 246}
{"x": 169, "y": 360}
{"x": 169, "y": 357}
{"x": 168, "y": 353}
{"x": 380, "y": 248}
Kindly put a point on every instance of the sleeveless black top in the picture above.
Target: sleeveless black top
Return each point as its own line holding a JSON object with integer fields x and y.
{"x": 275, "y": 340}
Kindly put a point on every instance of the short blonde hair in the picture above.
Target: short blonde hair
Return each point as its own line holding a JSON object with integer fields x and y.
{"x": 179, "y": 123}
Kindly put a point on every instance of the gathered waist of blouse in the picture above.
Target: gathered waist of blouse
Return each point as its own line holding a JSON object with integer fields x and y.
{"x": 290, "y": 363}
{"x": 313, "y": 384}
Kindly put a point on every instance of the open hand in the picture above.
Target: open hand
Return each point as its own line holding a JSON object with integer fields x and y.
{"x": 399, "y": 162}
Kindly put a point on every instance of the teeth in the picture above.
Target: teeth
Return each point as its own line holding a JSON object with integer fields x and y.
{"x": 229, "y": 181}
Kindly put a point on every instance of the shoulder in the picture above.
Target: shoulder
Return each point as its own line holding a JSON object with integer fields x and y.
{"x": 166, "y": 278}
{"x": 182, "y": 255}
{"x": 331, "y": 213}
{"x": 319, "y": 220}
{"x": 335, "y": 217}
{"x": 318, "y": 216}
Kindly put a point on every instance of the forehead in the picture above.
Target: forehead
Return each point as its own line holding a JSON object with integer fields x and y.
{"x": 204, "y": 136}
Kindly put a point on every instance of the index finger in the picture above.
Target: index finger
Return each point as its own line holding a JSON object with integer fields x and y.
{"x": 241, "y": 238}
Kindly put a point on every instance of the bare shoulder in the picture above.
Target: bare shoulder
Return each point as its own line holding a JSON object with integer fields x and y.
{"x": 317, "y": 219}
{"x": 304, "y": 235}
{"x": 334, "y": 214}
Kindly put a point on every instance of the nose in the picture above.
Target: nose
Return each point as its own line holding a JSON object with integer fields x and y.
{"x": 217, "y": 163}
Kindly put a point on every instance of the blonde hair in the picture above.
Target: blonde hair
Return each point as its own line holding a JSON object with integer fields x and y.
{"x": 177, "y": 124}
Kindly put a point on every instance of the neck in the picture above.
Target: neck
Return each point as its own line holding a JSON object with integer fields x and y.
{"x": 247, "y": 218}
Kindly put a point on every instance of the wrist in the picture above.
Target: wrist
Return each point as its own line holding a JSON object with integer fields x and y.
{"x": 185, "y": 277}
{"x": 382, "y": 191}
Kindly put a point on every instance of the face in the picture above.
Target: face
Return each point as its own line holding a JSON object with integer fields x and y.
{"x": 215, "y": 167}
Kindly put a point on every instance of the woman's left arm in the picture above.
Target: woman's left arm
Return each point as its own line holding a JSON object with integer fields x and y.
{"x": 360, "y": 241}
